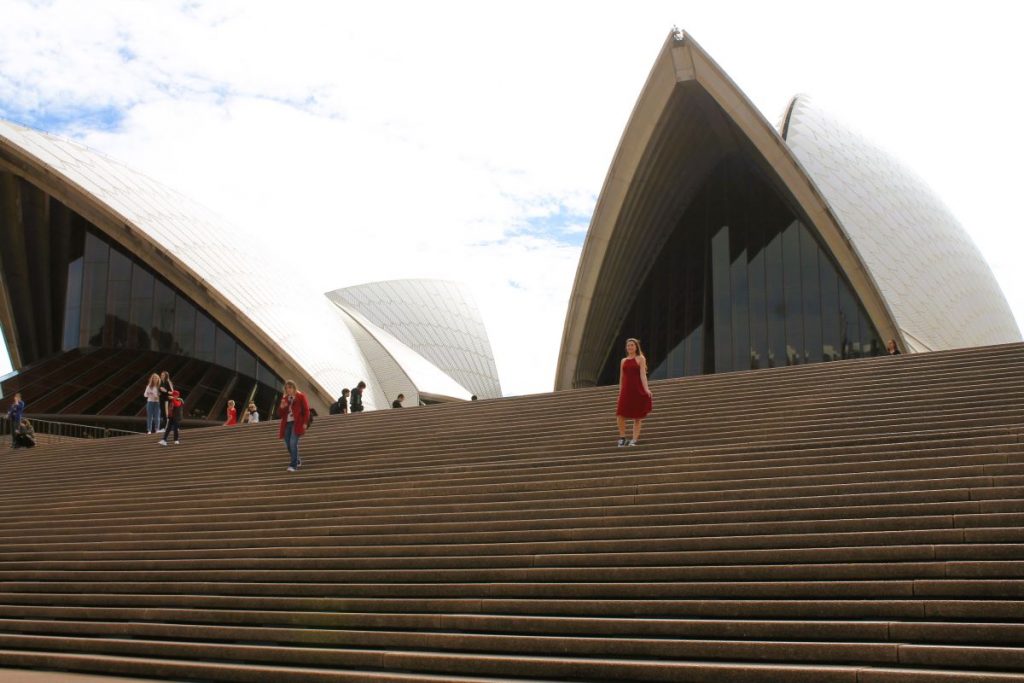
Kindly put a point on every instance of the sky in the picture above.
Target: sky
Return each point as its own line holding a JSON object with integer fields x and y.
{"x": 469, "y": 141}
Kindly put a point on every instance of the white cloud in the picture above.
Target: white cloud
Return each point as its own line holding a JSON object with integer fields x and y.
{"x": 421, "y": 139}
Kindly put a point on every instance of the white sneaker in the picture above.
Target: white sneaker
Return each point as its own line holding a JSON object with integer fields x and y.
{"x": 622, "y": 441}
{"x": 162, "y": 442}
{"x": 291, "y": 469}
{"x": 632, "y": 442}
{"x": 178, "y": 443}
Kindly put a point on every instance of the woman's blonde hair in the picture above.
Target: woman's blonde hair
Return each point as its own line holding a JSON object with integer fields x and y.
{"x": 291, "y": 383}
{"x": 154, "y": 380}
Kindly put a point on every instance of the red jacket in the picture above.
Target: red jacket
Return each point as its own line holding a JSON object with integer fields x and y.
{"x": 300, "y": 408}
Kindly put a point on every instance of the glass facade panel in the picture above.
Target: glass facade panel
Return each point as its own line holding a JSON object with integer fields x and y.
{"x": 119, "y": 300}
{"x": 206, "y": 334}
{"x": 739, "y": 289}
{"x": 742, "y": 283}
{"x": 791, "y": 275}
{"x": 246, "y": 362}
{"x": 775, "y": 299}
{"x": 224, "y": 353}
{"x": 849, "y": 323}
{"x": 757, "y": 296}
{"x": 722, "y": 308}
{"x": 142, "y": 308}
{"x": 73, "y": 305}
{"x": 184, "y": 328}
{"x": 831, "y": 346}
{"x": 94, "y": 291}
{"x": 163, "y": 332}
{"x": 810, "y": 286}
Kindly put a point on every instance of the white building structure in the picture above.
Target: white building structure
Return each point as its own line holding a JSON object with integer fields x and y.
{"x": 148, "y": 270}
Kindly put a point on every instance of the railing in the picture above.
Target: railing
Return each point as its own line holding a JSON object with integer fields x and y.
{"x": 58, "y": 432}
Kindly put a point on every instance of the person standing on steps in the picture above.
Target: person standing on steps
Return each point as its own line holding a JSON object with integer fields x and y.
{"x": 14, "y": 413}
{"x": 294, "y": 412}
{"x": 174, "y": 418}
{"x": 357, "y": 397}
{"x": 252, "y": 415}
{"x": 891, "y": 348}
{"x": 152, "y": 394}
{"x": 232, "y": 415}
{"x": 166, "y": 387}
{"x": 340, "y": 407}
{"x": 635, "y": 401}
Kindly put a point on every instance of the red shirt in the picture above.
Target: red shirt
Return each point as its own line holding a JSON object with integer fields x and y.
{"x": 232, "y": 416}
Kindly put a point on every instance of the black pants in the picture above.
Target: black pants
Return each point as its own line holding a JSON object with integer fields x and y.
{"x": 23, "y": 441}
{"x": 172, "y": 423}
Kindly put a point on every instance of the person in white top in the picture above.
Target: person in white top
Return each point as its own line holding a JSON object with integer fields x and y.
{"x": 252, "y": 416}
{"x": 152, "y": 394}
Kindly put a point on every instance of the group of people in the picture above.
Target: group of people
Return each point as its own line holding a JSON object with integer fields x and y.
{"x": 251, "y": 416}
{"x": 350, "y": 401}
{"x": 22, "y": 433}
{"x": 165, "y": 409}
{"x": 164, "y": 405}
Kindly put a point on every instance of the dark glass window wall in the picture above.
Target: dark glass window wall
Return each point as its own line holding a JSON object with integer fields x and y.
{"x": 114, "y": 301}
{"x": 742, "y": 284}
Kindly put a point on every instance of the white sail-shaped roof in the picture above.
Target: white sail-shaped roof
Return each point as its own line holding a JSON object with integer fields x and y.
{"x": 436, "y": 318}
{"x": 200, "y": 253}
{"x": 937, "y": 284}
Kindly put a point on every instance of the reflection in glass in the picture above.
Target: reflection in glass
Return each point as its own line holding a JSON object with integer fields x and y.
{"x": 205, "y": 337}
{"x": 73, "y": 305}
{"x": 742, "y": 283}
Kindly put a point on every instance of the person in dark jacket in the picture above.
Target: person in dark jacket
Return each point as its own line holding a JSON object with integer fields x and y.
{"x": 25, "y": 436}
{"x": 166, "y": 387}
{"x": 294, "y": 412}
{"x": 340, "y": 407}
{"x": 357, "y": 397}
{"x": 175, "y": 416}
{"x": 14, "y": 414}
{"x": 397, "y": 403}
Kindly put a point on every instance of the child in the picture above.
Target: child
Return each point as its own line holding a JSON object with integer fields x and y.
{"x": 174, "y": 417}
{"x": 232, "y": 414}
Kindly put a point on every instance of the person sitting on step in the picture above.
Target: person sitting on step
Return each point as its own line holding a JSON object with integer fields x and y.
{"x": 25, "y": 436}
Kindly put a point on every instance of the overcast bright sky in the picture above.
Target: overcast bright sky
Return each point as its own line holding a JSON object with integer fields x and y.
{"x": 469, "y": 141}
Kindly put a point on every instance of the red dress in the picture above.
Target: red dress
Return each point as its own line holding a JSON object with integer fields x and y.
{"x": 634, "y": 403}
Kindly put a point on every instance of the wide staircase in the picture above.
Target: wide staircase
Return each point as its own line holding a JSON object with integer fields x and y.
{"x": 860, "y": 522}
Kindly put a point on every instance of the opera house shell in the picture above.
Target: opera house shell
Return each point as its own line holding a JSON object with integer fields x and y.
{"x": 107, "y": 276}
{"x": 724, "y": 243}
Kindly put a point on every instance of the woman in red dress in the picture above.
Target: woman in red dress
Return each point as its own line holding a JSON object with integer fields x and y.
{"x": 232, "y": 414}
{"x": 634, "y": 394}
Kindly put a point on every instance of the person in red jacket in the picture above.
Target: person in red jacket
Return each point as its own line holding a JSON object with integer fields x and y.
{"x": 294, "y": 412}
{"x": 232, "y": 414}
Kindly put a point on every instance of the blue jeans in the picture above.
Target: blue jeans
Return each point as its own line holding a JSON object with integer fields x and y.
{"x": 152, "y": 417}
{"x": 291, "y": 440}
